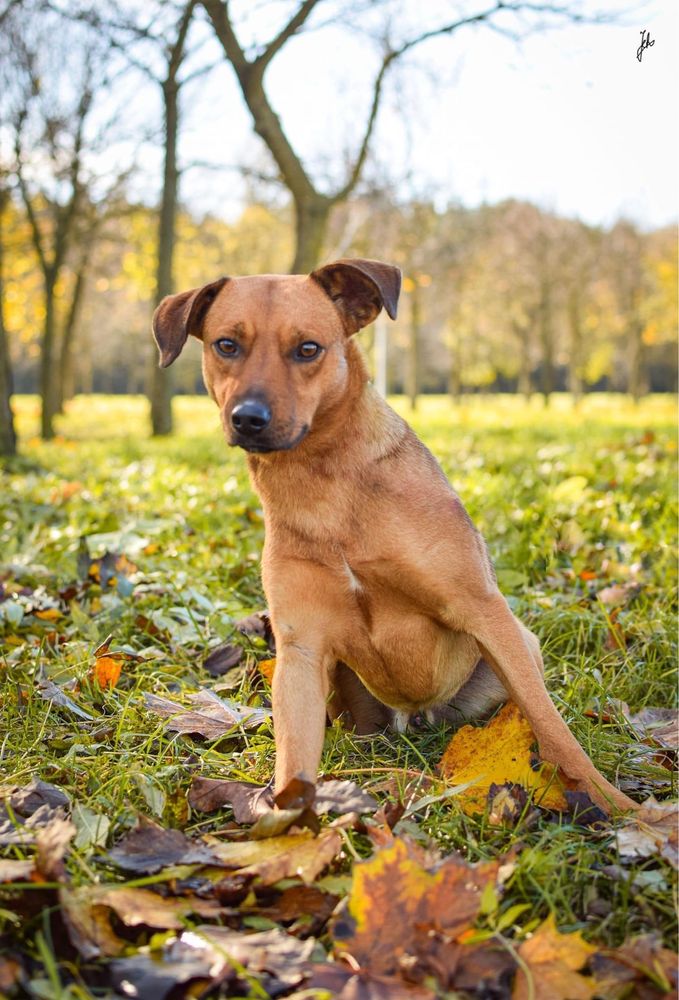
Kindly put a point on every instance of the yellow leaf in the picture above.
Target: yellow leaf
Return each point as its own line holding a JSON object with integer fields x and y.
{"x": 552, "y": 961}
{"x": 497, "y": 753}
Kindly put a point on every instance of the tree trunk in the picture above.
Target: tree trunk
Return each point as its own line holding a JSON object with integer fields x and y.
{"x": 575, "y": 381}
{"x": 311, "y": 223}
{"x": 455, "y": 370}
{"x": 48, "y": 381}
{"x": 547, "y": 343}
{"x": 637, "y": 386}
{"x": 8, "y": 440}
{"x": 66, "y": 374}
{"x": 413, "y": 374}
{"x": 160, "y": 393}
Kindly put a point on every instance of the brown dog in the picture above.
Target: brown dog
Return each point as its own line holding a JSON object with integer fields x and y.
{"x": 370, "y": 561}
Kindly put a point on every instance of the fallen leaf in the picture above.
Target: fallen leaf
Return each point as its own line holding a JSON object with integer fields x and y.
{"x": 299, "y": 855}
{"x": 222, "y": 659}
{"x": 249, "y": 801}
{"x": 51, "y": 692}
{"x": 652, "y": 829}
{"x": 213, "y": 954}
{"x": 306, "y": 901}
{"x": 500, "y": 752}
{"x": 106, "y": 670}
{"x": 92, "y": 827}
{"x": 506, "y": 803}
{"x": 400, "y": 891}
{"x": 661, "y": 725}
{"x": 341, "y": 982}
{"x": 257, "y": 624}
{"x": 29, "y": 798}
{"x": 641, "y": 959}
{"x": 618, "y": 594}
{"x": 15, "y": 871}
{"x": 52, "y": 843}
{"x": 87, "y": 910}
{"x": 339, "y": 797}
{"x": 150, "y": 847}
{"x": 212, "y": 718}
{"x": 550, "y": 966}
{"x": 49, "y": 615}
{"x": 16, "y": 828}
{"x": 582, "y": 810}
{"x": 266, "y": 669}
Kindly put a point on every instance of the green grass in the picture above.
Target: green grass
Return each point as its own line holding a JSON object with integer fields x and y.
{"x": 569, "y": 499}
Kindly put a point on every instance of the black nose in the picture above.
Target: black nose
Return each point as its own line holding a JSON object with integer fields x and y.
{"x": 250, "y": 417}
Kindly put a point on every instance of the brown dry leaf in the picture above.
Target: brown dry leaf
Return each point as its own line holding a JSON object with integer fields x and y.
{"x": 86, "y": 912}
{"x": 652, "y": 829}
{"x": 209, "y": 954}
{"x": 299, "y": 855}
{"x": 89, "y": 927}
{"x": 51, "y": 846}
{"x": 15, "y": 871}
{"x": 659, "y": 725}
{"x": 249, "y": 802}
{"x": 212, "y": 717}
{"x": 553, "y": 961}
{"x": 498, "y": 753}
{"x": 399, "y": 893}
{"x": 257, "y": 624}
{"x": 305, "y": 901}
{"x": 222, "y": 659}
{"x": 343, "y": 983}
{"x": 636, "y": 961}
{"x": 150, "y": 847}
{"x": 24, "y": 810}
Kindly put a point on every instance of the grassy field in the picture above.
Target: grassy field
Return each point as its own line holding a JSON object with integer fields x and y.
{"x": 571, "y": 501}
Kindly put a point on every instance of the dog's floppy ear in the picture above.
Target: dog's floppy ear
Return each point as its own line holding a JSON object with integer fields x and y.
{"x": 359, "y": 288}
{"x": 177, "y": 316}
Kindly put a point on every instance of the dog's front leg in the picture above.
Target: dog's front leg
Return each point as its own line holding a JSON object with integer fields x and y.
{"x": 300, "y": 690}
{"x": 491, "y": 622}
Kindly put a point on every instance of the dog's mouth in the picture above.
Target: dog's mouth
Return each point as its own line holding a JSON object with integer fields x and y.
{"x": 266, "y": 447}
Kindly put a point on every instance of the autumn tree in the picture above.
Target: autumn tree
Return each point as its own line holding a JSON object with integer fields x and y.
{"x": 63, "y": 193}
{"x": 154, "y": 41}
{"x": 8, "y": 439}
{"x": 314, "y": 202}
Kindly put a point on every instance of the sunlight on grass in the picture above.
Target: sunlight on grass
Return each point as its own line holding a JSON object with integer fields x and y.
{"x": 570, "y": 499}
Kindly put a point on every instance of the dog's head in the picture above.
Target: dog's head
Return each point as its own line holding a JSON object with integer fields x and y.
{"x": 275, "y": 346}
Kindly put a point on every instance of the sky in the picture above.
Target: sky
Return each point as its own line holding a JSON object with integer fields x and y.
{"x": 568, "y": 119}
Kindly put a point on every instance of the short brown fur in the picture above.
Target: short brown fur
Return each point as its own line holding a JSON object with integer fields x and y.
{"x": 380, "y": 589}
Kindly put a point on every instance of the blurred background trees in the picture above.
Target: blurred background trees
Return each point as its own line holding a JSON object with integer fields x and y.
{"x": 96, "y": 225}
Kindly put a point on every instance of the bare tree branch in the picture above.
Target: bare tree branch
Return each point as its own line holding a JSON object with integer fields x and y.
{"x": 276, "y": 44}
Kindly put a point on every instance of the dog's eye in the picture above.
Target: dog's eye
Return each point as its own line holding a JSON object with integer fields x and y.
{"x": 307, "y": 351}
{"x": 227, "y": 348}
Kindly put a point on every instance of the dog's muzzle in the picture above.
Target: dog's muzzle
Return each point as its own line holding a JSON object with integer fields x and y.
{"x": 250, "y": 422}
